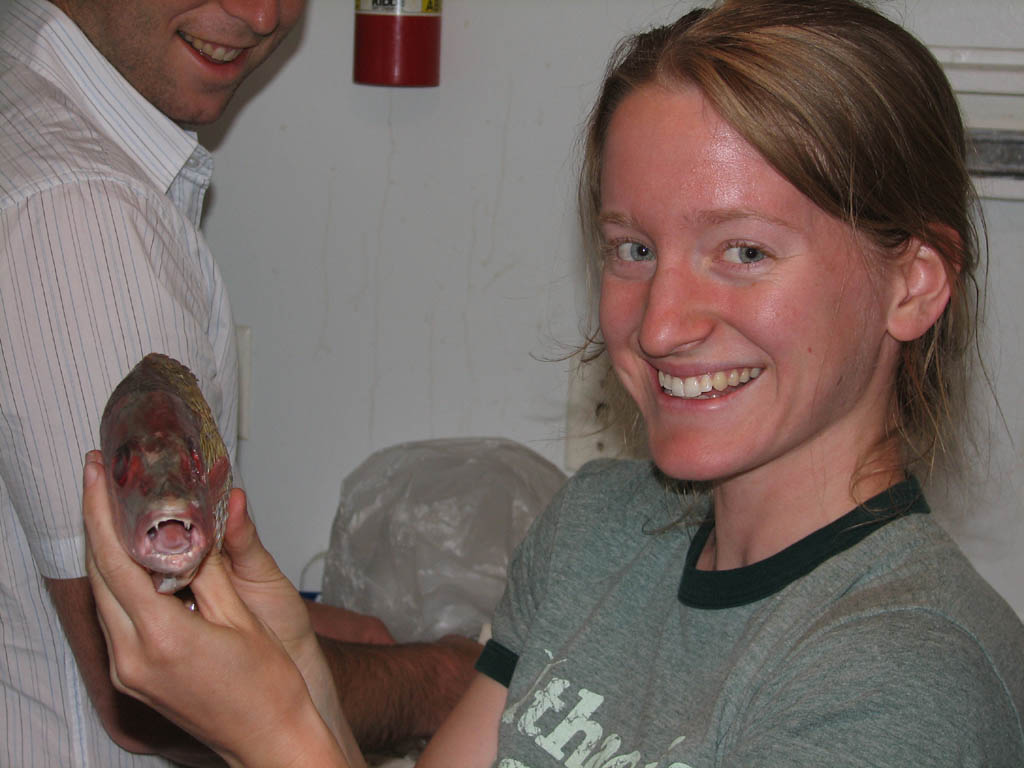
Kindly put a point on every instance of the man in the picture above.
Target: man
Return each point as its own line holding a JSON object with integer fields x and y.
{"x": 101, "y": 261}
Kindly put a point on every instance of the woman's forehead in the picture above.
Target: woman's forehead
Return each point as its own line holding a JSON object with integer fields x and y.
{"x": 668, "y": 151}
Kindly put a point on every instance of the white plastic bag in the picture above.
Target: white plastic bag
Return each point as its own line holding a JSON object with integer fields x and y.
{"x": 424, "y": 532}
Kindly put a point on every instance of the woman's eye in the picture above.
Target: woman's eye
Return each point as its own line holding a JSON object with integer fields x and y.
{"x": 745, "y": 254}
{"x": 633, "y": 252}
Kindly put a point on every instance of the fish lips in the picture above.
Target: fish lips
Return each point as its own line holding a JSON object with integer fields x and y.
{"x": 170, "y": 538}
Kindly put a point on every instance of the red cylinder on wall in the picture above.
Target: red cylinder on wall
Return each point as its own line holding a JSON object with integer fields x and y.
{"x": 397, "y": 42}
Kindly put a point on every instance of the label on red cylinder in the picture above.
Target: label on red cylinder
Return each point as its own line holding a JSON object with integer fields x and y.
{"x": 397, "y": 42}
{"x": 400, "y": 7}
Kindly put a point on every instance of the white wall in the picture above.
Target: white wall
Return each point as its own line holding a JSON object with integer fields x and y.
{"x": 404, "y": 256}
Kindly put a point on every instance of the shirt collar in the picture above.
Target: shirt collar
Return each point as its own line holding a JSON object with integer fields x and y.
{"x": 53, "y": 45}
{"x": 748, "y": 584}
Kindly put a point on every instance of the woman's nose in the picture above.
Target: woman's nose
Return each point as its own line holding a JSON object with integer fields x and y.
{"x": 261, "y": 16}
{"x": 678, "y": 315}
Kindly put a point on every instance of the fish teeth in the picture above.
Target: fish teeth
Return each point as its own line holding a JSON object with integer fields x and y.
{"x": 157, "y": 523}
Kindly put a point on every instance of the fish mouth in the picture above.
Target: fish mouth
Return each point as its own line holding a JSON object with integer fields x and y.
{"x": 171, "y": 540}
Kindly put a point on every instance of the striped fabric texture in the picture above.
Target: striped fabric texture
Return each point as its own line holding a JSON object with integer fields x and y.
{"x": 101, "y": 262}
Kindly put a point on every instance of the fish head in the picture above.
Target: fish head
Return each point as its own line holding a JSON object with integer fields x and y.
{"x": 159, "y": 487}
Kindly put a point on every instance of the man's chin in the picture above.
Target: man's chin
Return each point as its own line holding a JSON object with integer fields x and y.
{"x": 198, "y": 112}
{"x": 194, "y": 121}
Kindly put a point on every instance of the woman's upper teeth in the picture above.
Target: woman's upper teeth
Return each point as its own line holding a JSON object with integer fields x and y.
{"x": 215, "y": 52}
{"x": 695, "y": 386}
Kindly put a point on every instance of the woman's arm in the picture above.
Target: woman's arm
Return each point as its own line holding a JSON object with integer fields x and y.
{"x": 469, "y": 737}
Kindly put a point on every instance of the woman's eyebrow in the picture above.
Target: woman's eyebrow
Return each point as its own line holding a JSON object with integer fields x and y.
{"x": 725, "y": 215}
{"x": 707, "y": 217}
{"x": 616, "y": 218}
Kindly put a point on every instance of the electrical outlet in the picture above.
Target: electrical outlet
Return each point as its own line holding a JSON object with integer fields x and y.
{"x": 588, "y": 435}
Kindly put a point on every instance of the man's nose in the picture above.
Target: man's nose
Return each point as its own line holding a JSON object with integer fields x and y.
{"x": 261, "y": 16}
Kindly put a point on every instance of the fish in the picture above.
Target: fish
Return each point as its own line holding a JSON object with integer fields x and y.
{"x": 168, "y": 470}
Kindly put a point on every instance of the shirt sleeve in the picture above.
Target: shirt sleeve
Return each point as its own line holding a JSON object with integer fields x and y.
{"x": 93, "y": 275}
{"x": 896, "y": 688}
{"x": 525, "y": 588}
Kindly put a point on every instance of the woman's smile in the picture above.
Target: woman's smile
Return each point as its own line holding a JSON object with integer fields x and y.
{"x": 706, "y": 385}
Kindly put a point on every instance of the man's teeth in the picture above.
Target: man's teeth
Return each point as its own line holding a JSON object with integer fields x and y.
{"x": 696, "y": 386}
{"x": 215, "y": 52}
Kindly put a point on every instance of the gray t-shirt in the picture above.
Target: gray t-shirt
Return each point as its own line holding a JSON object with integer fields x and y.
{"x": 873, "y": 642}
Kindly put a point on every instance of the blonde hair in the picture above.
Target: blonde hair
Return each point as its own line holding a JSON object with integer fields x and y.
{"x": 858, "y": 115}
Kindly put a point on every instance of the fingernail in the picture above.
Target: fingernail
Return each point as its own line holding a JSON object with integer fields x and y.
{"x": 93, "y": 468}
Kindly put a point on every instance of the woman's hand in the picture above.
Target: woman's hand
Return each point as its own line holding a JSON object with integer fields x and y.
{"x": 269, "y": 594}
{"x": 220, "y": 672}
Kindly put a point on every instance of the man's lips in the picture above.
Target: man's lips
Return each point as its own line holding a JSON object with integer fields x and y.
{"x": 218, "y": 53}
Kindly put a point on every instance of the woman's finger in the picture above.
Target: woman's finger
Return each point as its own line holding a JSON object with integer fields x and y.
{"x": 215, "y": 585}
{"x": 250, "y": 561}
{"x": 106, "y": 558}
{"x": 125, "y": 577}
{"x": 216, "y": 598}
{"x": 259, "y": 582}
{"x": 109, "y": 567}
{"x": 127, "y": 603}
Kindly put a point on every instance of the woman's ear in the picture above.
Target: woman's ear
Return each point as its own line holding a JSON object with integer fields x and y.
{"x": 921, "y": 289}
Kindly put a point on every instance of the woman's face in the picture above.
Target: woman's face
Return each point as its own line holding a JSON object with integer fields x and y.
{"x": 739, "y": 315}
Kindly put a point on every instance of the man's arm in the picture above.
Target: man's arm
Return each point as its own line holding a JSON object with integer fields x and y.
{"x": 347, "y": 626}
{"x": 399, "y": 693}
{"x": 82, "y": 303}
{"x": 130, "y": 723}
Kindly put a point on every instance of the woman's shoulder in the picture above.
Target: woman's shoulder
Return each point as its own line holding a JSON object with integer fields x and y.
{"x": 597, "y": 470}
{"x": 631, "y": 492}
{"x": 610, "y": 507}
{"x": 912, "y": 563}
{"x": 930, "y": 685}
{"x": 918, "y": 603}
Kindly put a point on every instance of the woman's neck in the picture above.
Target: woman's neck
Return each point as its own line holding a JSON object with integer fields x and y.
{"x": 757, "y": 515}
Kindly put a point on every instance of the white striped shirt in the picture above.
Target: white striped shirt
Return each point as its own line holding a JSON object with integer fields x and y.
{"x": 101, "y": 261}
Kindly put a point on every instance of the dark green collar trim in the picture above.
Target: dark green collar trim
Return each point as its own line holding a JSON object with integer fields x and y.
{"x": 740, "y": 586}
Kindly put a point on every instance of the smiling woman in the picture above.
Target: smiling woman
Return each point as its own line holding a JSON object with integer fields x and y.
{"x": 186, "y": 57}
{"x": 780, "y": 212}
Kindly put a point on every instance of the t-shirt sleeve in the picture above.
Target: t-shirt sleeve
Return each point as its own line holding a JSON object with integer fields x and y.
{"x": 497, "y": 662}
{"x": 525, "y": 587}
{"x": 93, "y": 275}
{"x": 895, "y": 689}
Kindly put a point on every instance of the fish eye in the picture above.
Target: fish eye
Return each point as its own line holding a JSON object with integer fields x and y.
{"x": 119, "y": 466}
{"x": 195, "y": 457}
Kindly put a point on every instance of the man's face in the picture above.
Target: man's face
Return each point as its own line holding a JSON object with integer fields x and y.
{"x": 186, "y": 57}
